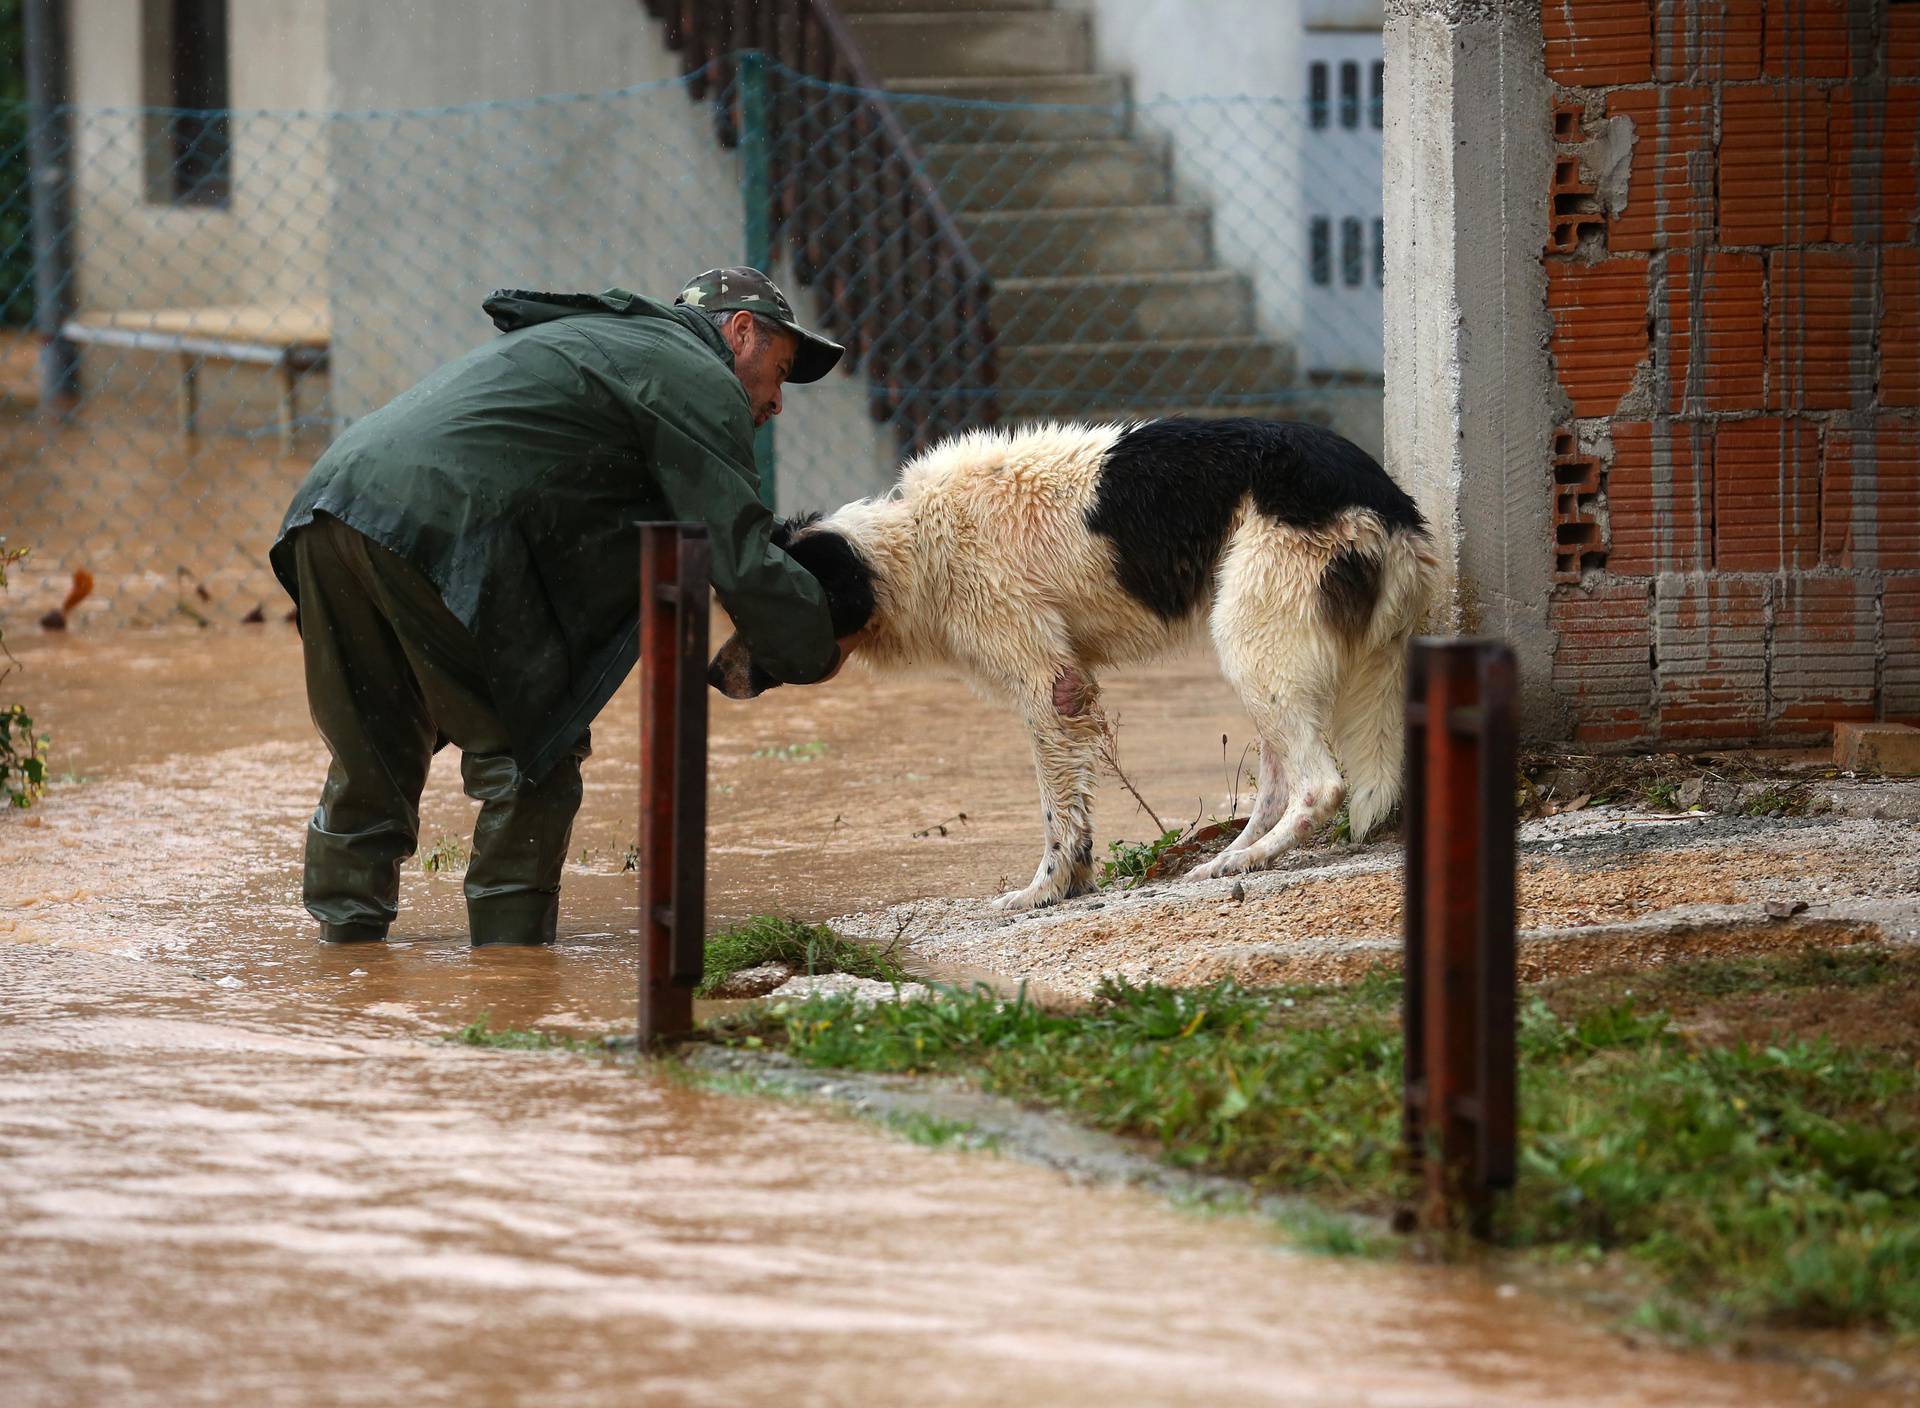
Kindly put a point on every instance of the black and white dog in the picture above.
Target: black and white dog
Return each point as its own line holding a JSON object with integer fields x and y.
{"x": 1031, "y": 560}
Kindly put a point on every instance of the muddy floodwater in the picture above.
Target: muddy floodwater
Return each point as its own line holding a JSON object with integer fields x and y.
{"x": 236, "y": 1167}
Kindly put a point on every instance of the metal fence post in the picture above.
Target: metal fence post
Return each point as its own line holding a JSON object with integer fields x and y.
{"x": 756, "y": 198}
{"x": 674, "y": 568}
{"x": 49, "y": 158}
{"x": 1458, "y": 1004}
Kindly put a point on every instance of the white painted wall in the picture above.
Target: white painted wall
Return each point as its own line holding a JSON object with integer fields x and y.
{"x": 268, "y": 244}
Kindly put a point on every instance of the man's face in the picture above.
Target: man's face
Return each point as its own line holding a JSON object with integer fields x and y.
{"x": 762, "y": 359}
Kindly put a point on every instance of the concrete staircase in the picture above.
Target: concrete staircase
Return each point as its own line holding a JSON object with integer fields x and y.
{"x": 1107, "y": 296}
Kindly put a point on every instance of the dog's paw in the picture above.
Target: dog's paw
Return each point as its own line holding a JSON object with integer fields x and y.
{"x": 1033, "y": 897}
{"x": 1226, "y": 863}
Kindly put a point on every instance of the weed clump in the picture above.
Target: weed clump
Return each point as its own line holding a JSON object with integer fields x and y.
{"x": 1128, "y": 862}
{"x": 805, "y": 948}
{"x": 23, "y": 753}
{"x": 481, "y": 1032}
{"x": 445, "y": 856}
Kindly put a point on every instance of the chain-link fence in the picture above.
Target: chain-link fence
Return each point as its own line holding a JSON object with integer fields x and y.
{"x": 231, "y": 288}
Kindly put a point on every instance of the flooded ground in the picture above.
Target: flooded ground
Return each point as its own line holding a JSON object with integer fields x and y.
{"x": 237, "y": 1167}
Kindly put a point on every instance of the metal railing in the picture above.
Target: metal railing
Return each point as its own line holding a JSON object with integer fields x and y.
{"x": 848, "y": 192}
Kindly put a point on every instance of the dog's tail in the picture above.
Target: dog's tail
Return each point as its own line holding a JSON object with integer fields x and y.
{"x": 1368, "y": 737}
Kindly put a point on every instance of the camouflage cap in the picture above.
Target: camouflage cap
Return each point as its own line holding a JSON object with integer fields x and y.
{"x": 742, "y": 288}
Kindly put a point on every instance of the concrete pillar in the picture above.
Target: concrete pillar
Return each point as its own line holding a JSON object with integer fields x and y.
{"x": 1471, "y": 400}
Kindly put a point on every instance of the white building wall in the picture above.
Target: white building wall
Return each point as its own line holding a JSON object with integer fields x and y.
{"x": 458, "y": 172}
{"x": 268, "y": 243}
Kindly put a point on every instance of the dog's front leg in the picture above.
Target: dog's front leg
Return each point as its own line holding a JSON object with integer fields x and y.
{"x": 1063, "y": 716}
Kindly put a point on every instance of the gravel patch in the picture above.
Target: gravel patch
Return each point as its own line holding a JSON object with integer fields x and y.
{"x": 1602, "y": 887}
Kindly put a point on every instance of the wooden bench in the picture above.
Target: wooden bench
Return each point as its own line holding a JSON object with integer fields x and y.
{"x": 292, "y": 339}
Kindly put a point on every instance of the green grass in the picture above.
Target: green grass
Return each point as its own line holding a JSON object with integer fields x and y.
{"x": 481, "y": 1032}
{"x": 807, "y": 948}
{"x": 1771, "y": 1182}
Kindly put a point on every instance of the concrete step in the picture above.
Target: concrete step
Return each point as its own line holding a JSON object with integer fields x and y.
{"x": 988, "y": 45}
{"x": 1025, "y": 175}
{"x": 1059, "y": 109}
{"x": 1122, "y": 239}
{"x": 850, "y": 8}
{"x": 1044, "y": 377}
{"x": 1128, "y": 307}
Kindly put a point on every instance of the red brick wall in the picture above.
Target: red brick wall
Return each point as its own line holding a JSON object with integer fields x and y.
{"x": 1733, "y": 279}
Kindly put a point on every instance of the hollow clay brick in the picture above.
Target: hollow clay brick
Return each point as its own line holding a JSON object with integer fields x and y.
{"x": 1773, "y": 165}
{"x": 1602, "y": 635}
{"x": 1715, "y": 348}
{"x": 1594, "y": 43}
{"x": 1822, "y": 664}
{"x": 1710, "y": 651}
{"x": 1766, "y": 478}
{"x": 1670, "y": 176}
{"x": 1659, "y": 498}
{"x": 1599, "y": 316}
{"x": 1870, "y": 497}
{"x": 1871, "y": 177}
{"x": 1707, "y": 41}
{"x": 1820, "y": 323}
{"x": 1806, "y": 39}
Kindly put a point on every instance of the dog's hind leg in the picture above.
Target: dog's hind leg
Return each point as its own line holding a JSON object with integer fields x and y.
{"x": 1276, "y": 651}
{"x": 1307, "y": 790}
{"x": 1064, "y": 719}
{"x": 1269, "y": 801}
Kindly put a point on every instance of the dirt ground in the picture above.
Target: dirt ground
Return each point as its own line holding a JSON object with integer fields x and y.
{"x": 240, "y": 1165}
{"x": 1607, "y": 887}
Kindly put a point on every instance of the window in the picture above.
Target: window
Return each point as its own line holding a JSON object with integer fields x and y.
{"x": 1349, "y": 94}
{"x": 1350, "y": 259}
{"x": 1321, "y": 247}
{"x": 1380, "y": 254}
{"x": 1377, "y": 109}
{"x": 1317, "y": 95}
{"x": 189, "y": 131}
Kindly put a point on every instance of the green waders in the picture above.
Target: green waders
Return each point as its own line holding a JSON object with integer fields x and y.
{"x": 392, "y": 676}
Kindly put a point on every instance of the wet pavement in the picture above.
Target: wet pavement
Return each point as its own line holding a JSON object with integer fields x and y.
{"x": 237, "y": 1167}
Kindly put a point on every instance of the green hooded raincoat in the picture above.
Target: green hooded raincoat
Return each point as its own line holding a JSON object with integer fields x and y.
{"x": 512, "y": 478}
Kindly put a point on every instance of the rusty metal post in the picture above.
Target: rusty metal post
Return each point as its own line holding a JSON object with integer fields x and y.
{"x": 674, "y": 564}
{"x": 1458, "y": 1004}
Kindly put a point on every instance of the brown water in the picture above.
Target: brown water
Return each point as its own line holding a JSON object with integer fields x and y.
{"x": 235, "y": 1167}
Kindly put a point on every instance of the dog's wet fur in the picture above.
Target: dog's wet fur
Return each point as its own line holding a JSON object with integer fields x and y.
{"x": 1029, "y": 559}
